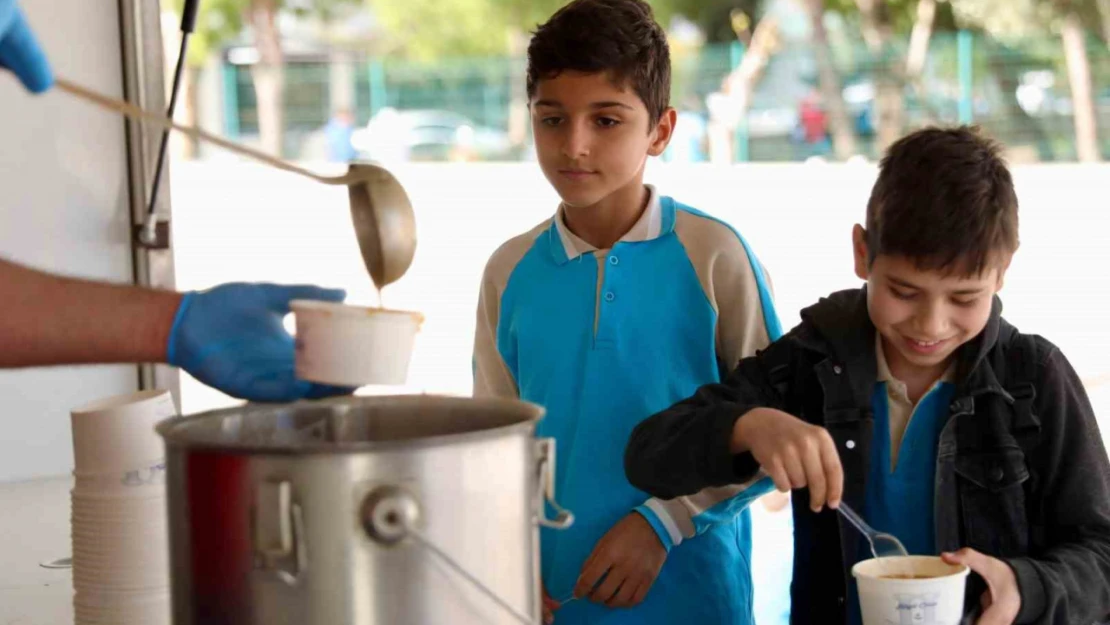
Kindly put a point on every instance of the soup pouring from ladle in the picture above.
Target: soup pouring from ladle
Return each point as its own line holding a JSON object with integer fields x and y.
{"x": 381, "y": 212}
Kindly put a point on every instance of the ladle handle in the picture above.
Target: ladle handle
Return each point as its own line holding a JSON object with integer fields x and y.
{"x": 135, "y": 112}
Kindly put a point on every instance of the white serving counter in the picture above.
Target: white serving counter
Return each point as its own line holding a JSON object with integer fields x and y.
{"x": 34, "y": 528}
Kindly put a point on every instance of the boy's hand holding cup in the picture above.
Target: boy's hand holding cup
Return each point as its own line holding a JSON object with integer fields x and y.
{"x": 1002, "y": 600}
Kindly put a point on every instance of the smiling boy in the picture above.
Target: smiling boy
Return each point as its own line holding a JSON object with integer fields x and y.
{"x": 914, "y": 401}
{"x": 622, "y": 303}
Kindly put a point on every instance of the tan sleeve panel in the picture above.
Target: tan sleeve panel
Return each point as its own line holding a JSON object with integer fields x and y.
{"x": 727, "y": 278}
{"x": 491, "y": 375}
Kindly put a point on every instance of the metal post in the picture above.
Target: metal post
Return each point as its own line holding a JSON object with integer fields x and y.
{"x": 231, "y": 99}
{"x": 964, "y": 50}
{"x": 144, "y": 85}
{"x": 742, "y": 140}
{"x": 377, "y": 86}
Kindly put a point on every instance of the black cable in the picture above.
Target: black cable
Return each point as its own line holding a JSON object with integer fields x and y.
{"x": 169, "y": 114}
{"x": 188, "y": 24}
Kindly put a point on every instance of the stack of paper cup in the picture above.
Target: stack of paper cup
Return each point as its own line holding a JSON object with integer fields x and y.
{"x": 119, "y": 531}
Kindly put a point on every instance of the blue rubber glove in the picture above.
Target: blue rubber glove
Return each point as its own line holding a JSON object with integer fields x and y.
{"x": 20, "y": 51}
{"x": 232, "y": 338}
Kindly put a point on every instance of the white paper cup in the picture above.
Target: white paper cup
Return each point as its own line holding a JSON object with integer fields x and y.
{"x": 935, "y": 594}
{"x": 349, "y": 345}
{"x": 117, "y": 434}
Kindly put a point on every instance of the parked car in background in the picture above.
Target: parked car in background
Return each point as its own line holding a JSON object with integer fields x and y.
{"x": 394, "y": 135}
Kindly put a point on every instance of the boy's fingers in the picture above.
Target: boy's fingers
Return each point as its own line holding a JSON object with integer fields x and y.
{"x": 549, "y": 603}
{"x": 834, "y": 472}
{"x": 793, "y": 464}
{"x": 624, "y": 594}
{"x": 589, "y": 577}
{"x": 641, "y": 592}
{"x": 778, "y": 476}
{"x": 589, "y": 563}
{"x": 608, "y": 587}
{"x": 815, "y": 474}
{"x": 973, "y": 559}
{"x": 981, "y": 564}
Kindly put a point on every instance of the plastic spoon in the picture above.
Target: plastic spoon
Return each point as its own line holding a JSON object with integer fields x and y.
{"x": 883, "y": 545}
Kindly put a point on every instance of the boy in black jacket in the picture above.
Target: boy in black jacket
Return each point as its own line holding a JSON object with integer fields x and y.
{"x": 918, "y": 404}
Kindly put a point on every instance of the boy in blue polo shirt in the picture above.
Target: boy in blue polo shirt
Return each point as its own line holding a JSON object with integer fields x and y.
{"x": 621, "y": 304}
{"x": 914, "y": 401}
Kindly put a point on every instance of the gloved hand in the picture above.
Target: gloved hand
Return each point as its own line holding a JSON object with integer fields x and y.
{"x": 232, "y": 338}
{"x": 20, "y": 52}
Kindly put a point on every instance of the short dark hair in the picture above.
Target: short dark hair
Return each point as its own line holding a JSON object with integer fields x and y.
{"x": 620, "y": 37}
{"x": 944, "y": 199}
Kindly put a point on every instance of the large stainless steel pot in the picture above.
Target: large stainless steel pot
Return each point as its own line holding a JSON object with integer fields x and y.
{"x": 412, "y": 510}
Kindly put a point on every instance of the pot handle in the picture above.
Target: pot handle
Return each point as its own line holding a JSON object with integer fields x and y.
{"x": 391, "y": 514}
{"x": 279, "y": 532}
{"x": 545, "y": 450}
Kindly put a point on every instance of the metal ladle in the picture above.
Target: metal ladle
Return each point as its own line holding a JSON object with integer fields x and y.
{"x": 385, "y": 225}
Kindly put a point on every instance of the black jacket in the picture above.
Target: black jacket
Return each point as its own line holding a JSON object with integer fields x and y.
{"x": 1022, "y": 474}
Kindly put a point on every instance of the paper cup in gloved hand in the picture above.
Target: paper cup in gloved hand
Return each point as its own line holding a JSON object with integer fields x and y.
{"x": 346, "y": 345}
{"x": 913, "y": 590}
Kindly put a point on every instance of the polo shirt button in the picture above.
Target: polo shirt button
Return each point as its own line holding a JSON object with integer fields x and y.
{"x": 613, "y": 260}
{"x": 610, "y": 297}
{"x": 837, "y": 370}
{"x": 850, "y": 444}
{"x": 997, "y": 474}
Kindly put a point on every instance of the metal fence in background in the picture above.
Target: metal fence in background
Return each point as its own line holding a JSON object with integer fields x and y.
{"x": 1018, "y": 91}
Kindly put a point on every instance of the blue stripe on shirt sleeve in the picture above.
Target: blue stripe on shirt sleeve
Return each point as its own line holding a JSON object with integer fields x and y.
{"x": 729, "y": 508}
{"x": 657, "y": 525}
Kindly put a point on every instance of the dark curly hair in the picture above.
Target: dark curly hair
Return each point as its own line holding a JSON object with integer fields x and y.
{"x": 620, "y": 37}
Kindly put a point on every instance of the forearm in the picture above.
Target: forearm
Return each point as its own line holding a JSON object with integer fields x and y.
{"x": 685, "y": 448}
{"x": 51, "y": 320}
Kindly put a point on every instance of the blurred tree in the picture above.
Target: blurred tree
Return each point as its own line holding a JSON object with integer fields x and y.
{"x": 714, "y": 17}
{"x": 218, "y": 21}
{"x": 828, "y": 80}
{"x": 1010, "y": 19}
{"x": 884, "y": 24}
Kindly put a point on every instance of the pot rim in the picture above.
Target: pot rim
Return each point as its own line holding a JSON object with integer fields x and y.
{"x": 176, "y": 433}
